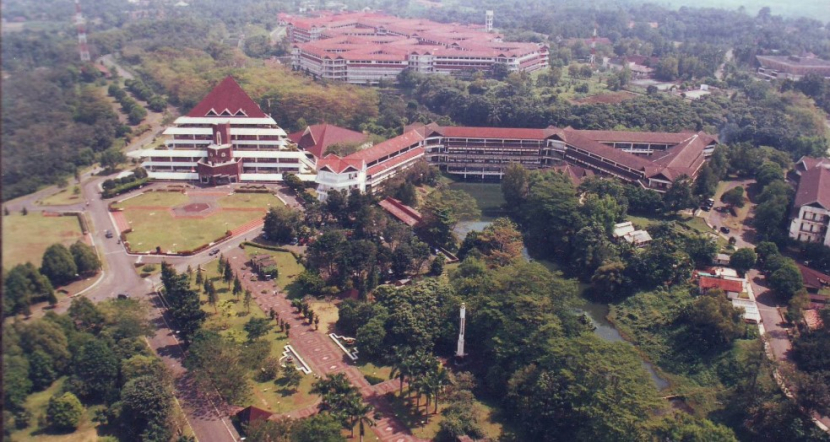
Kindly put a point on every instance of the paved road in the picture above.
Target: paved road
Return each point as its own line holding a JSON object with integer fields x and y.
{"x": 108, "y": 60}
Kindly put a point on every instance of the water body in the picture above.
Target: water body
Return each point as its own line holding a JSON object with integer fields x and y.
{"x": 488, "y": 196}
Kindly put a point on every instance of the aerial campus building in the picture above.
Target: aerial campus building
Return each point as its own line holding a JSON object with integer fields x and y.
{"x": 365, "y": 48}
{"x": 227, "y": 138}
{"x": 648, "y": 159}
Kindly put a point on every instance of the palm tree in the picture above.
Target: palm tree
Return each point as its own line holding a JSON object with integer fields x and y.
{"x": 358, "y": 412}
{"x": 402, "y": 367}
{"x": 436, "y": 380}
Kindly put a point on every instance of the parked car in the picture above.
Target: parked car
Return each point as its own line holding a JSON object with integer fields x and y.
{"x": 108, "y": 234}
{"x": 705, "y": 208}
{"x": 724, "y": 229}
{"x": 123, "y": 296}
{"x": 214, "y": 252}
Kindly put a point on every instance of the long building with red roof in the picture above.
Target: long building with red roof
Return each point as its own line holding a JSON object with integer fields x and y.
{"x": 365, "y": 48}
{"x": 650, "y": 160}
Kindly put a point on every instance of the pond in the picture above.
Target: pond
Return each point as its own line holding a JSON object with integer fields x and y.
{"x": 490, "y": 200}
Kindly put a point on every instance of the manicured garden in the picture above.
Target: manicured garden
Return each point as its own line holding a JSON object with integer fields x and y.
{"x": 154, "y": 224}
{"x": 229, "y": 318}
{"x": 287, "y": 265}
{"x": 25, "y": 238}
{"x": 159, "y": 228}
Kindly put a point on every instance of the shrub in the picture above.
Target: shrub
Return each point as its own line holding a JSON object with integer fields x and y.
{"x": 64, "y": 412}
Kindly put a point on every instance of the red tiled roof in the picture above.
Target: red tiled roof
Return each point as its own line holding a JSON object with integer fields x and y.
{"x": 636, "y": 137}
{"x": 575, "y": 138}
{"x": 401, "y": 211}
{"x": 813, "y": 279}
{"x": 252, "y": 413}
{"x": 727, "y": 285}
{"x": 496, "y": 132}
{"x": 338, "y": 165}
{"x": 318, "y": 137}
{"x": 814, "y": 187}
{"x": 227, "y": 95}
{"x": 377, "y": 168}
{"x": 576, "y": 173}
{"x": 684, "y": 159}
{"x": 388, "y": 147}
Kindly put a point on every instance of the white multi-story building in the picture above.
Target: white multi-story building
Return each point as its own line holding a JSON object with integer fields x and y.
{"x": 363, "y": 48}
{"x": 249, "y": 144}
{"x": 812, "y": 202}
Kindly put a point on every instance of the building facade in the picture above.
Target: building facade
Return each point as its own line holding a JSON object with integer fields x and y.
{"x": 485, "y": 153}
{"x": 811, "y": 209}
{"x": 365, "y": 48}
{"x": 226, "y": 138}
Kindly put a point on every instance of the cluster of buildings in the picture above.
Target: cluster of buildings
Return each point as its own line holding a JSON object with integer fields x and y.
{"x": 226, "y": 138}
{"x": 737, "y": 289}
{"x": 791, "y": 67}
{"x": 365, "y": 48}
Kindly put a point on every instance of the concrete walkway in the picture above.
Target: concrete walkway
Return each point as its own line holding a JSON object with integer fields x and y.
{"x": 321, "y": 354}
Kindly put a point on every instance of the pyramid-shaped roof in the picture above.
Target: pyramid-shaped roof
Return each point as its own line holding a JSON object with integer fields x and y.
{"x": 318, "y": 137}
{"x": 227, "y": 99}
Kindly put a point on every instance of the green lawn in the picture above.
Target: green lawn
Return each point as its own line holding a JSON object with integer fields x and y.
{"x": 287, "y": 265}
{"x": 488, "y": 196}
{"x": 62, "y": 198}
{"x": 249, "y": 200}
{"x": 153, "y": 228}
{"x": 167, "y": 199}
{"x": 375, "y": 374}
{"x": 229, "y": 318}
{"x": 25, "y": 238}
{"x": 36, "y": 404}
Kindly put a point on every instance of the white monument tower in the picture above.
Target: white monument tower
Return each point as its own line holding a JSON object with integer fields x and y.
{"x": 460, "y": 352}
{"x": 488, "y": 21}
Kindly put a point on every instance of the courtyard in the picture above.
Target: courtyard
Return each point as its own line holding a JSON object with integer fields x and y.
{"x": 177, "y": 222}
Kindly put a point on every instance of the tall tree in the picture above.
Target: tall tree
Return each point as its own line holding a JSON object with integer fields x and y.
{"x": 86, "y": 260}
{"x": 58, "y": 265}
{"x": 281, "y": 224}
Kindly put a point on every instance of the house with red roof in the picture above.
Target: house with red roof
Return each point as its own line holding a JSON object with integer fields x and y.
{"x": 226, "y": 138}
{"x": 811, "y": 209}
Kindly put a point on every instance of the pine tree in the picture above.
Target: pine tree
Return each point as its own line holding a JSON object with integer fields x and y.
{"x": 189, "y": 273}
{"x": 247, "y": 300}
{"x": 24, "y": 211}
{"x": 237, "y": 287}
{"x": 206, "y": 286}
{"x": 228, "y": 276}
{"x": 212, "y": 299}
{"x": 221, "y": 265}
{"x": 199, "y": 279}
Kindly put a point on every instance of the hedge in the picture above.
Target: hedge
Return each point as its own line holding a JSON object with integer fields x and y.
{"x": 118, "y": 190}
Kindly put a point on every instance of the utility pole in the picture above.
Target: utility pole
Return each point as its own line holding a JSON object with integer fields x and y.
{"x": 460, "y": 352}
{"x": 83, "y": 49}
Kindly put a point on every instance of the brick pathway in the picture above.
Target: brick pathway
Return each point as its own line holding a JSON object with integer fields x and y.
{"x": 120, "y": 221}
{"x": 323, "y": 355}
{"x": 246, "y": 227}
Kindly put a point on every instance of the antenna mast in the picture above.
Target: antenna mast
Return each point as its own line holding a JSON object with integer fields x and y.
{"x": 83, "y": 49}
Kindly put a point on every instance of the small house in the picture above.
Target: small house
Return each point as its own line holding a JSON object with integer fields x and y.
{"x": 627, "y": 231}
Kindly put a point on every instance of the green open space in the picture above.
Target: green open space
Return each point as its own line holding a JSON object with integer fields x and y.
{"x": 249, "y": 201}
{"x": 36, "y": 404}
{"x": 373, "y": 372}
{"x": 167, "y": 199}
{"x": 488, "y": 196}
{"x": 229, "y": 318}
{"x": 287, "y": 265}
{"x": 152, "y": 228}
{"x": 63, "y": 197}
{"x": 25, "y": 238}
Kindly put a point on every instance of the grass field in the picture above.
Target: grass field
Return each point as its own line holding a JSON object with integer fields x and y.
{"x": 167, "y": 199}
{"x": 249, "y": 201}
{"x": 25, "y": 238}
{"x": 229, "y": 319}
{"x": 160, "y": 228}
{"x": 375, "y": 374}
{"x": 63, "y": 197}
{"x": 328, "y": 315}
{"x": 488, "y": 196}
{"x": 287, "y": 265}
{"x": 36, "y": 404}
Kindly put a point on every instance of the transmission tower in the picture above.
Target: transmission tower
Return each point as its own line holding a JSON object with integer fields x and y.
{"x": 83, "y": 49}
